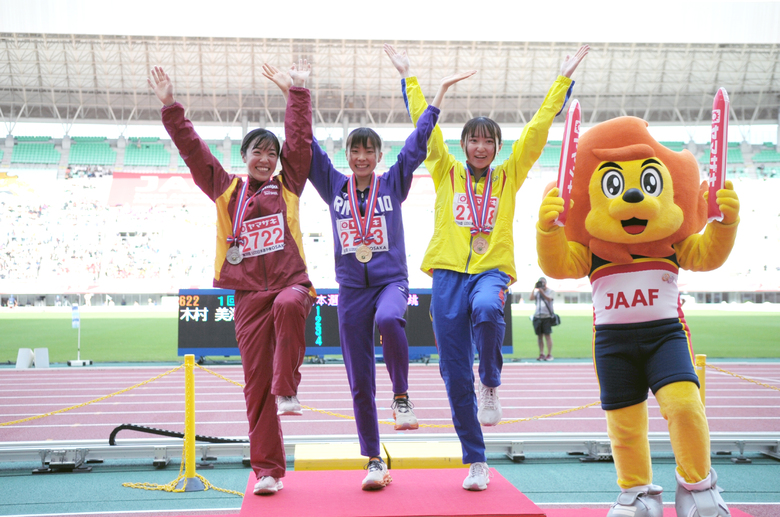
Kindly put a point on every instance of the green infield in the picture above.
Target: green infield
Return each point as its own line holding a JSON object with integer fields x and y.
{"x": 152, "y": 337}
{"x": 732, "y": 334}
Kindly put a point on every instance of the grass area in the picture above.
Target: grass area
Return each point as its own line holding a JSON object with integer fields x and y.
{"x": 140, "y": 336}
{"x": 714, "y": 333}
{"x": 105, "y": 337}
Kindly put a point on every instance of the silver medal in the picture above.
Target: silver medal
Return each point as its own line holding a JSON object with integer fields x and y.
{"x": 233, "y": 255}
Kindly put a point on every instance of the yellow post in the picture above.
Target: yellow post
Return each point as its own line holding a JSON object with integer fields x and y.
{"x": 191, "y": 482}
{"x": 701, "y": 366}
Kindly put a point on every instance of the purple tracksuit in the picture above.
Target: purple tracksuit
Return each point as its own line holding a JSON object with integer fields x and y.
{"x": 377, "y": 291}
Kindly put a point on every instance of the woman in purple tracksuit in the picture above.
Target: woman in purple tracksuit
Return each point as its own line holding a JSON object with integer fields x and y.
{"x": 372, "y": 274}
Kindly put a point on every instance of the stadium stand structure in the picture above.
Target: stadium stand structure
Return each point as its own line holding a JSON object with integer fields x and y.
{"x": 91, "y": 151}
{"x": 146, "y": 153}
{"x": 28, "y": 152}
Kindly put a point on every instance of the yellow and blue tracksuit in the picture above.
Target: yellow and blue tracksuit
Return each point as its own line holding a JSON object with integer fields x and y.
{"x": 468, "y": 295}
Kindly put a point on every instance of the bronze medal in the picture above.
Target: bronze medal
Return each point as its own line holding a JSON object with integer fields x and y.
{"x": 363, "y": 253}
{"x": 479, "y": 245}
{"x": 233, "y": 255}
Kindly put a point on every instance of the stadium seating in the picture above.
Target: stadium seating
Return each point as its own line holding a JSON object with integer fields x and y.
{"x": 217, "y": 152}
{"x": 766, "y": 156}
{"x": 551, "y": 157}
{"x": 33, "y": 138}
{"x": 142, "y": 153}
{"x": 91, "y": 151}
{"x": 35, "y": 153}
{"x": 235, "y": 156}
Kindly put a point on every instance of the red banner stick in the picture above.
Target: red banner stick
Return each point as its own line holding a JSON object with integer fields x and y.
{"x": 571, "y": 135}
{"x": 719, "y": 142}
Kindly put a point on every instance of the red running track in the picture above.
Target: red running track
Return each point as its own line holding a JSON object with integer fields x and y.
{"x": 528, "y": 389}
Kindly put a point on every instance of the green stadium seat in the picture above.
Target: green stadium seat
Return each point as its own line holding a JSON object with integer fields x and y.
{"x": 235, "y": 156}
{"x": 551, "y": 157}
{"x": 766, "y": 157}
{"x": 213, "y": 148}
{"x": 340, "y": 160}
{"x": 147, "y": 155}
{"x": 88, "y": 151}
{"x": 33, "y": 138}
{"x": 88, "y": 139}
{"x": 35, "y": 153}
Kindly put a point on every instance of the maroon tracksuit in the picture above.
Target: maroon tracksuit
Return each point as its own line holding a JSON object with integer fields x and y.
{"x": 273, "y": 291}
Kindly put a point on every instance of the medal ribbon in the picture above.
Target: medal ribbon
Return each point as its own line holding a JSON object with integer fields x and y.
{"x": 363, "y": 224}
{"x": 479, "y": 221}
{"x": 238, "y": 217}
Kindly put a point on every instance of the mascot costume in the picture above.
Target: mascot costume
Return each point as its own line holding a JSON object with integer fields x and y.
{"x": 636, "y": 213}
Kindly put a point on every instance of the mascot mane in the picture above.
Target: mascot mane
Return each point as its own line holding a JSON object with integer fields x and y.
{"x": 622, "y": 139}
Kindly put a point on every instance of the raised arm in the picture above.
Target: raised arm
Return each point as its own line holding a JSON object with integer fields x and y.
{"x": 528, "y": 148}
{"x": 296, "y": 152}
{"x": 447, "y": 82}
{"x": 207, "y": 172}
{"x": 439, "y": 161}
{"x": 709, "y": 250}
{"x": 413, "y": 153}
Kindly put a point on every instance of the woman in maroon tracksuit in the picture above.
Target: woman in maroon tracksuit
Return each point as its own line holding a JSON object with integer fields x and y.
{"x": 260, "y": 255}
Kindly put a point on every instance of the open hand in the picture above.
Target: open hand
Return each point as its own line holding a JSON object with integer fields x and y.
{"x": 300, "y": 72}
{"x": 400, "y": 60}
{"x": 570, "y": 63}
{"x": 162, "y": 85}
{"x": 456, "y": 78}
{"x": 276, "y": 76}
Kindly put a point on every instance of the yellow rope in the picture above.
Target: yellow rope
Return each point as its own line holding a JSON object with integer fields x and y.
{"x": 744, "y": 378}
{"x": 93, "y": 401}
{"x": 171, "y": 486}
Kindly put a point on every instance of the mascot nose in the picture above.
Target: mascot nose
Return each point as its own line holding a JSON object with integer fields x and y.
{"x": 633, "y": 195}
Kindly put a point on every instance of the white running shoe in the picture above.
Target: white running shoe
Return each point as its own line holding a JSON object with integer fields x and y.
{"x": 268, "y": 485}
{"x": 489, "y": 413}
{"x": 478, "y": 478}
{"x": 403, "y": 414}
{"x": 378, "y": 477}
{"x": 288, "y": 405}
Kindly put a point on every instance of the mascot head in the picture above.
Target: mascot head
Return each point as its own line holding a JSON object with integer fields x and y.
{"x": 633, "y": 196}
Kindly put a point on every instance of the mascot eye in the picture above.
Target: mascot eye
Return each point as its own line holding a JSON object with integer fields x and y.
{"x": 612, "y": 184}
{"x": 652, "y": 183}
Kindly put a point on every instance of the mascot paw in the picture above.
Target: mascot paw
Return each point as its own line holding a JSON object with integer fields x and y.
{"x": 728, "y": 202}
{"x": 552, "y": 207}
{"x": 701, "y": 499}
{"x": 642, "y": 501}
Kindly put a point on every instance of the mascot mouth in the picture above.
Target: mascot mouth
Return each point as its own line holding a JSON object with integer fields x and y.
{"x": 634, "y": 226}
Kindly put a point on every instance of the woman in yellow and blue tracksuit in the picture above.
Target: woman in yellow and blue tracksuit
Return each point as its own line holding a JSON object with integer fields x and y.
{"x": 470, "y": 280}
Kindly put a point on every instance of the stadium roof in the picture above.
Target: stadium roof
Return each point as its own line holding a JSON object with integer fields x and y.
{"x": 82, "y": 77}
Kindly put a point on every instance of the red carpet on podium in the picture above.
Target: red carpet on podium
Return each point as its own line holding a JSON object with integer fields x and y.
{"x": 413, "y": 493}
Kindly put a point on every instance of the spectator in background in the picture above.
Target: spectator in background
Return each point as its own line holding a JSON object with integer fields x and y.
{"x": 543, "y": 317}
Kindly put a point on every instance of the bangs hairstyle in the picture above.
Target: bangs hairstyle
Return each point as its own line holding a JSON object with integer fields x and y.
{"x": 481, "y": 126}
{"x": 363, "y": 136}
{"x": 259, "y": 139}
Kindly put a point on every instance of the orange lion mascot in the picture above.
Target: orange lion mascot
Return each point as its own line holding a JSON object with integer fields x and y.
{"x": 636, "y": 216}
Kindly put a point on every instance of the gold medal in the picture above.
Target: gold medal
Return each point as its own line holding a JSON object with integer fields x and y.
{"x": 479, "y": 245}
{"x": 233, "y": 255}
{"x": 363, "y": 253}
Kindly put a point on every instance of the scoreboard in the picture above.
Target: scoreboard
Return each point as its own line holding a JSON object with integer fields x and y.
{"x": 206, "y": 326}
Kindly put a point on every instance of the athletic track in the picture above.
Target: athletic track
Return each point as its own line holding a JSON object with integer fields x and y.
{"x": 528, "y": 389}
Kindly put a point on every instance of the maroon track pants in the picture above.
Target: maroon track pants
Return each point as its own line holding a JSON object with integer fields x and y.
{"x": 270, "y": 330}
